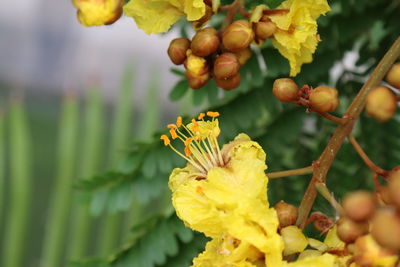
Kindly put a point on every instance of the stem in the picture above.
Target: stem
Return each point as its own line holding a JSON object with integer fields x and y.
{"x": 2, "y": 164}
{"x": 365, "y": 158}
{"x": 342, "y": 131}
{"x": 324, "y": 191}
{"x": 332, "y": 117}
{"x": 231, "y": 9}
{"x": 280, "y": 174}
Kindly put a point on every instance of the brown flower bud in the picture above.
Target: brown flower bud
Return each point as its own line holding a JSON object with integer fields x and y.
{"x": 384, "y": 195}
{"x": 381, "y": 103}
{"x": 359, "y": 206}
{"x": 205, "y": 42}
{"x": 197, "y": 81}
{"x": 393, "y": 76}
{"x": 226, "y": 66}
{"x": 368, "y": 253}
{"x": 385, "y": 228}
{"x": 394, "y": 188}
{"x": 230, "y": 83}
{"x": 324, "y": 99}
{"x": 177, "y": 50}
{"x": 287, "y": 214}
{"x": 238, "y": 36}
{"x": 285, "y": 89}
{"x": 264, "y": 30}
{"x": 243, "y": 55}
{"x": 348, "y": 231}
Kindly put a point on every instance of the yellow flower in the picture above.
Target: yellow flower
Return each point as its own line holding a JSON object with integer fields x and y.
{"x": 157, "y": 16}
{"x": 296, "y": 37}
{"x": 98, "y": 12}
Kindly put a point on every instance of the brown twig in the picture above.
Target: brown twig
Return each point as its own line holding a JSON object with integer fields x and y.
{"x": 332, "y": 117}
{"x": 280, "y": 174}
{"x": 376, "y": 169}
{"x": 342, "y": 131}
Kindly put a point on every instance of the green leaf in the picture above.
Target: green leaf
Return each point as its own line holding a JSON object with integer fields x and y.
{"x": 179, "y": 90}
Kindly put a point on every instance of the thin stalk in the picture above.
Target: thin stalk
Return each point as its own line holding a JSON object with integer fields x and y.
{"x": 373, "y": 167}
{"x": 281, "y": 174}
{"x": 18, "y": 216}
{"x": 2, "y": 165}
{"x": 90, "y": 161}
{"x": 324, "y": 191}
{"x": 60, "y": 200}
{"x": 332, "y": 117}
{"x": 120, "y": 135}
{"x": 325, "y": 161}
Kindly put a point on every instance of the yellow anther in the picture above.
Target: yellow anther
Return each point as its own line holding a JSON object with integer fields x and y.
{"x": 179, "y": 121}
{"x": 188, "y": 141}
{"x": 171, "y": 126}
{"x": 173, "y": 134}
{"x": 165, "y": 139}
{"x": 212, "y": 114}
{"x": 201, "y": 116}
{"x": 187, "y": 151}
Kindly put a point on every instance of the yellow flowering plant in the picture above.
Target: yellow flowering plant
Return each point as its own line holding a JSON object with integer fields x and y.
{"x": 223, "y": 191}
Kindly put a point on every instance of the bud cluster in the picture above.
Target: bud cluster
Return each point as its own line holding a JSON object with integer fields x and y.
{"x": 370, "y": 225}
{"x": 219, "y": 54}
{"x": 381, "y": 101}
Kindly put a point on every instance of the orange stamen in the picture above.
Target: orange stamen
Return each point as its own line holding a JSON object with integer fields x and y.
{"x": 212, "y": 114}
{"x": 165, "y": 139}
{"x": 173, "y": 134}
{"x": 171, "y": 126}
{"x": 187, "y": 151}
{"x": 179, "y": 121}
{"x": 188, "y": 141}
{"x": 201, "y": 116}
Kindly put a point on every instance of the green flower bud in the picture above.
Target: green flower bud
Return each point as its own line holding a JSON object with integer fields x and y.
{"x": 226, "y": 65}
{"x": 205, "y": 42}
{"x": 177, "y": 50}
{"x": 238, "y": 36}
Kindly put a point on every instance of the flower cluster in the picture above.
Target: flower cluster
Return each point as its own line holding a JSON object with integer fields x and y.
{"x": 222, "y": 193}
{"x": 218, "y": 53}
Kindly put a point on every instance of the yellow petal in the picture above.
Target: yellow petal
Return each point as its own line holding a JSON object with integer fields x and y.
{"x": 294, "y": 240}
{"x": 96, "y": 13}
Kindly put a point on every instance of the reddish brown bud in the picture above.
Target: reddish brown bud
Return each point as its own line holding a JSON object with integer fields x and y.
{"x": 243, "y": 55}
{"x": 205, "y": 42}
{"x": 381, "y": 103}
{"x": 230, "y": 83}
{"x": 384, "y": 195}
{"x": 238, "y": 36}
{"x": 197, "y": 81}
{"x": 348, "y": 231}
{"x": 264, "y": 30}
{"x": 226, "y": 66}
{"x": 285, "y": 89}
{"x": 393, "y": 76}
{"x": 385, "y": 228}
{"x": 177, "y": 50}
{"x": 359, "y": 206}
{"x": 287, "y": 214}
{"x": 394, "y": 188}
{"x": 324, "y": 99}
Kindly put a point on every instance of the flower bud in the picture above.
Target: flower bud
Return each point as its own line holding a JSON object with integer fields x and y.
{"x": 197, "y": 81}
{"x": 226, "y": 65}
{"x": 324, "y": 99}
{"x": 204, "y": 19}
{"x": 196, "y": 65}
{"x": 368, "y": 253}
{"x": 394, "y": 188}
{"x": 385, "y": 228}
{"x": 230, "y": 83}
{"x": 264, "y": 30}
{"x": 348, "y": 231}
{"x": 384, "y": 195}
{"x": 285, "y": 89}
{"x": 243, "y": 56}
{"x": 177, "y": 50}
{"x": 294, "y": 240}
{"x": 359, "y": 206}
{"x": 205, "y": 42}
{"x": 393, "y": 76}
{"x": 98, "y": 12}
{"x": 381, "y": 103}
{"x": 287, "y": 214}
{"x": 238, "y": 36}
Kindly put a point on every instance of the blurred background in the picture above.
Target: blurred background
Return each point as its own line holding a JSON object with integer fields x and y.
{"x": 84, "y": 103}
